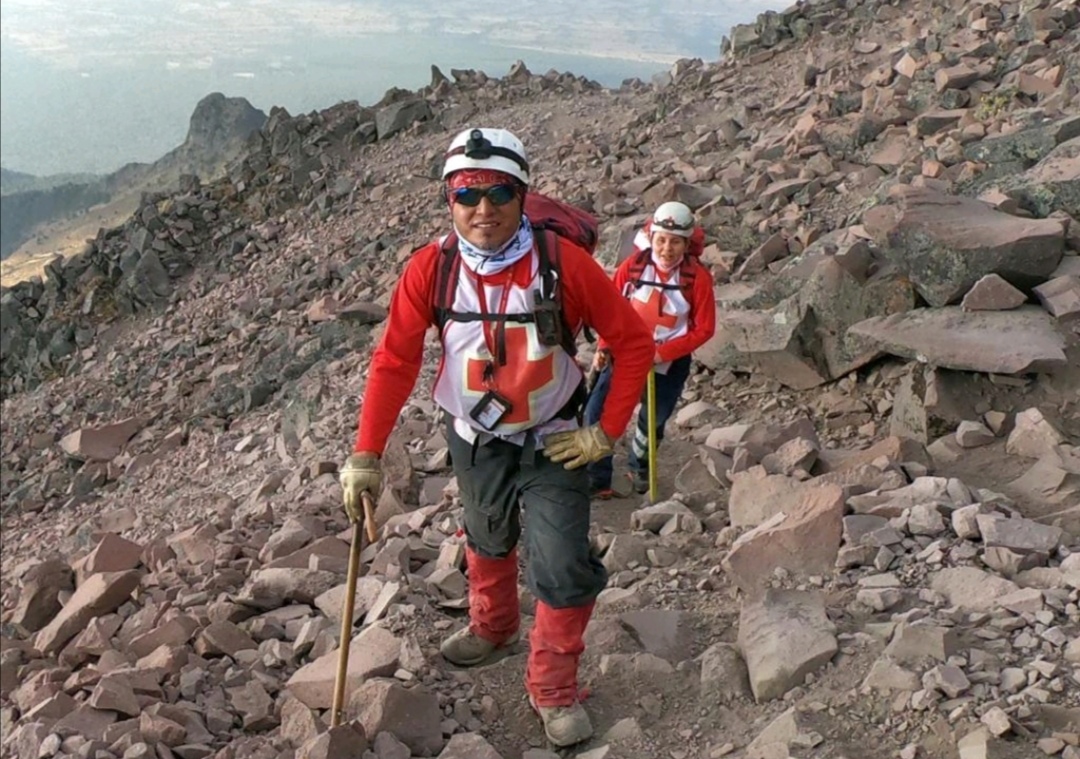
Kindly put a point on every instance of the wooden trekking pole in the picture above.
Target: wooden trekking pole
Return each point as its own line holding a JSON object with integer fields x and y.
{"x": 355, "y": 548}
{"x": 654, "y": 486}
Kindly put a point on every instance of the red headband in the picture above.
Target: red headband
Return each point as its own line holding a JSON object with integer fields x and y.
{"x": 472, "y": 177}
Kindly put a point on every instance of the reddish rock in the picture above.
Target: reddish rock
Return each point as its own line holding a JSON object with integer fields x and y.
{"x": 955, "y": 77}
{"x": 470, "y": 746}
{"x": 196, "y": 544}
{"x": 174, "y": 632}
{"x": 223, "y": 639}
{"x": 804, "y": 541}
{"x": 411, "y": 715}
{"x": 992, "y": 293}
{"x": 101, "y": 443}
{"x": 375, "y": 652}
{"x": 342, "y": 742}
{"x": 299, "y": 723}
{"x": 101, "y": 594}
{"x": 112, "y": 554}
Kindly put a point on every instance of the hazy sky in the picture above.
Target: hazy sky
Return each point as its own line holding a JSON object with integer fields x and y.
{"x": 87, "y": 85}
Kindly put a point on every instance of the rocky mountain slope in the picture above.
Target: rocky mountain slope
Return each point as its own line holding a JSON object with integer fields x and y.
{"x": 218, "y": 130}
{"x": 870, "y": 535}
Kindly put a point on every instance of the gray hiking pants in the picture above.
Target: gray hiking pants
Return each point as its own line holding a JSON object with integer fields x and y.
{"x": 499, "y": 481}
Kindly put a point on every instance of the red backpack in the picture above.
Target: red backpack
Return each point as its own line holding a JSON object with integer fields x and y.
{"x": 687, "y": 269}
{"x": 550, "y": 219}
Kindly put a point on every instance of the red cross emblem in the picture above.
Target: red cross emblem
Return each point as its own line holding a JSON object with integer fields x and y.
{"x": 519, "y": 379}
{"x": 652, "y": 313}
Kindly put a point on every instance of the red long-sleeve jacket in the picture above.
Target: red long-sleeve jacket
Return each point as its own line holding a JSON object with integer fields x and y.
{"x": 588, "y": 297}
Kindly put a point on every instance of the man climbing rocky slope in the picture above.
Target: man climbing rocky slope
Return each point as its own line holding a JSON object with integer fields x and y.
{"x": 871, "y": 550}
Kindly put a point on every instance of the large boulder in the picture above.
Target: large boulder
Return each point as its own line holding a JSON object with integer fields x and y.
{"x": 997, "y": 342}
{"x": 773, "y": 343}
{"x": 947, "y": 243}
{"x": 794, "y": 326}
{"x": 1026, "y": 146}
{"x": 1051, "y": 185}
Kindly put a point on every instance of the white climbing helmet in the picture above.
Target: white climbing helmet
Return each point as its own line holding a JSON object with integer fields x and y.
{"x": 484, "y": 148}
{"x": 675, "y": 218}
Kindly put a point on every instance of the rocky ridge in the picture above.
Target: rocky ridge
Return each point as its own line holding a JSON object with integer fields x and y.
{"x": 217, "y": 132}
{"x": 876, "y": 180}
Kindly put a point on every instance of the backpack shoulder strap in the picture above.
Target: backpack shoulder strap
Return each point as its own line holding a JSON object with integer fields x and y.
{"x": 687, "y": 274}
{"x": 550, "y": 254}
{"x": 446, "y": 277}
{"x": 637, "y": 268}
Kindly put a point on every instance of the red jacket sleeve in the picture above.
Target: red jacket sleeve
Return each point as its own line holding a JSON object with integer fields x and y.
{"x": 591, "y": 297}
{"x": 620, "y": 278}
{"x": 396, "y": 362}
{"x": 701, "y": 321}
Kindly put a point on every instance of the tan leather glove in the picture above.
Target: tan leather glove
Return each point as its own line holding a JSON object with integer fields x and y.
{"x": 360, "y": 472}
{"x": 578, "y": 447}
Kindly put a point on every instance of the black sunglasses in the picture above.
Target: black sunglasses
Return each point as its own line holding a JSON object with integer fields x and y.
{"x": 499, "y": 195}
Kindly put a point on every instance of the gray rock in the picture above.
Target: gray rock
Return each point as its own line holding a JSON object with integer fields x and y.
{"x": 625, "y": 552}
{"x": 661, "y": 632}
{"x": 1060, "y": 296}
{"x": 1028, "y": 145}
{"x": 915, "y": 643}
{"x": 398, "y": 116}
{"x": 1023, "y": 535}
{"x": 724, "y": 677}
{"x": 971, "y": 589}
{"x": 784, "y": 635}
{"x": 973, "y": 434}
{"x": 271, "y": 588}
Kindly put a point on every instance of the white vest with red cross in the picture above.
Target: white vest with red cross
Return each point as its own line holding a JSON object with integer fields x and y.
{"x": 537, "y": 380}
{"x": 666, "y": 311}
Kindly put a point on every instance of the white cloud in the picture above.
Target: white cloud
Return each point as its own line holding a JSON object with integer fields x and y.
{"x": 69, "y": 32}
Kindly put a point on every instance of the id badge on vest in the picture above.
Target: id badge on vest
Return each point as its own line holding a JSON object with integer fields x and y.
{"x": 490, "y": 410}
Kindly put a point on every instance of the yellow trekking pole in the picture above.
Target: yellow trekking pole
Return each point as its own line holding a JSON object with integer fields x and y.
{"x": 348, "y": 604}
{"x": 654, "y": 486}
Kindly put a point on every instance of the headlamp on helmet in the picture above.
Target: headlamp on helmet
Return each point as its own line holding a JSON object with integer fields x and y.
{"x": 485, "y": 148}
{"x": 674, "y": 218}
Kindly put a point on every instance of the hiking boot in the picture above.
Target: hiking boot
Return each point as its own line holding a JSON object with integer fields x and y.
{"x": 565, "y": 725}
{"x": 467, "y": 649}
{"x": 640, "y": 482}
